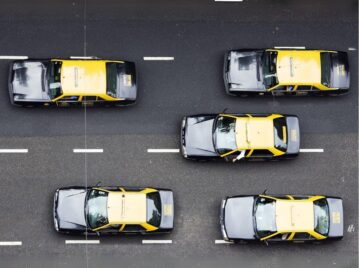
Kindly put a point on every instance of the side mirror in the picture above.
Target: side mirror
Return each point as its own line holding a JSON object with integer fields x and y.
{"x": 98, "y": 233}
{"x": 240, "y": 156}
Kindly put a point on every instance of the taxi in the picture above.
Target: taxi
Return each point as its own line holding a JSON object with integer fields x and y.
{"x": 113, "y": 210}
{"x": 67, "y": 82}
{"x": 294, "y": 72}
{"x": 234, "y": 137}
{"x": 278, "y": 218}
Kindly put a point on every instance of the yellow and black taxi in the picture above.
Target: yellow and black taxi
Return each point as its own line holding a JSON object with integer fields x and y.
{"x": 235, "y": 137}
{"x": 65, "y": 82}
{"x": 272, "y": 218}
{"x": 286, "y": 72}
{"x": 113, "y": 210}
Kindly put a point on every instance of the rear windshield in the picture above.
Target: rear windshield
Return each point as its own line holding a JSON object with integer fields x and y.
{"x": 154, "y": 209}
{"x": 269, "y": 61}
{"x": 280, "y": 133}
{"x": 326, "y": 62}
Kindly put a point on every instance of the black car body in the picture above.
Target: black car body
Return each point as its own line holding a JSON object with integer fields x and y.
{"x": 113, "y": 210}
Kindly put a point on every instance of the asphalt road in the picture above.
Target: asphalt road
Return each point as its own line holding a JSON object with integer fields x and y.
{"x": 196, "y": 34}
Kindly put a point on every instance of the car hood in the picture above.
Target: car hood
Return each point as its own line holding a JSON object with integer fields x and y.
{"x": 340, "y": 77}
{"x": 336, "y": 227}
{"x": 28, "y": 80}
{"x": 198, "y": 137}
{"x": 70, "y": 209}
{"x": 244, "y": 71}
{"x": 238, "y": 218}
{"x": 167, "y": 209}
{"x": 293, "y": 135}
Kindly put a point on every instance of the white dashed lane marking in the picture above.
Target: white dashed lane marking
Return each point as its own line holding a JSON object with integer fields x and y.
{"x": 156, "y": 241}
{"x": 311, "y": 150}
{"x": 10, "y": 243}
{"x": 289, "y": 47}
{"x": 352, "y": 49}
{"x": 14, "y": 57}
{"x": 14, "y": 151}
{"x": 79, "y": 151}
{"x": 159, "y": 58}
{"x": 222, "y": 242}
{"x": 75, "y": 242}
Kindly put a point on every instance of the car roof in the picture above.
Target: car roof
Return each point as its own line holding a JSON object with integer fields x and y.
{"x": 294, "y": 215}
{"x": 126, "y": 207}
{"x": 254, "y": 133}
{"x": 83, "y": 77}
{"x": 298, "y": 67}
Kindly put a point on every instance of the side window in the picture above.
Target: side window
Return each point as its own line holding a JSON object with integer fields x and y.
{"x": 133, "y": 228}
{"x": 90, "y": 98}
{"x": 304, "y": 88}
{"x": 69, "y": 98}
{"x": 280, "y": 237}
{"x": 302, "y": 236}
{"x": 261, "y": 153}
{"x": 114, "y": 228}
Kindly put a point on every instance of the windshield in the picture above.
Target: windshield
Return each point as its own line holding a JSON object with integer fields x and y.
{"x": 96, "y": 208}
{"x": 280, "y": 133}
{"x": 264, "y": 216}
{"x": 111, "y": 79}
{"x": 154, "y": 209}
{"x": 325, "y": 61}
{"x": 269, "y": 61}
{"x": 53, "y": 77}
{"x": 321, "y": 217}
{"x": 225, "y": 134}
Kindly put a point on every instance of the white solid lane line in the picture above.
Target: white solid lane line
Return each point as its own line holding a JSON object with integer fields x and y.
{"x": 289, "y": 47}
{"x": 156, "y": 241}
{"x": 311, "y": 150}
{"x": 222, "y": 242}
{"x": 228, "y": 0}
{"x": 10, "y": 243}
{"x": 177, "y": 150}
{"x": 14, "y": 57}
{"x": 163, "y": 150}
{"x": 14, "y": 151}
{"x": 73, "y": 242}
{"x": 159, "y": 58}
{"x": 76, "y": 151}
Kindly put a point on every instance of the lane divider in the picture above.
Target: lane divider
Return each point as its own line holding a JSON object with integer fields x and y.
{"x": 14, "y": 151}
{"x": 159, "y": 58}
{"x": 222, "y": 242}
{"x": 311, "y": 150}
{"x": 156, "y": 241}
{"x": 163, "y": 150}
{"x": 76, "y": 242}
{"x": 10, "y": 243}
{"x": 177, "y": 150}
{"x": 79, "y": 151}
{"x": 14, "y": 57}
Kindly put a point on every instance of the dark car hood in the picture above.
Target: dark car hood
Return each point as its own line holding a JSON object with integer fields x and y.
{"x": 336, "y": 227}
{"x": 199, "y": 138}
{"x": 71, "y": 209}
{"x": 167, "y": 209}
{"x": 340, "y": 77}
{"x": 238, "y": 218}
{"x": 293, "y": 135}
{"x": 28, "y": 80}
{"x": 244, "y": 72}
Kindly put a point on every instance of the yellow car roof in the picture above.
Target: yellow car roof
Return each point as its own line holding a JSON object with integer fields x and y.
{"x": 298, "y": 67}
{"x": 83, "y": 77}
{"x": 254, "y": 133}
{"x": 294, "y": 215}
{"x": 126, "y": 207}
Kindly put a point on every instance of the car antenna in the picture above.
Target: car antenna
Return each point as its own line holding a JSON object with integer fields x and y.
{"x": 98, "y": 183}
{"x": 264, "y": 192}
{"x": 225, "y": 109}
